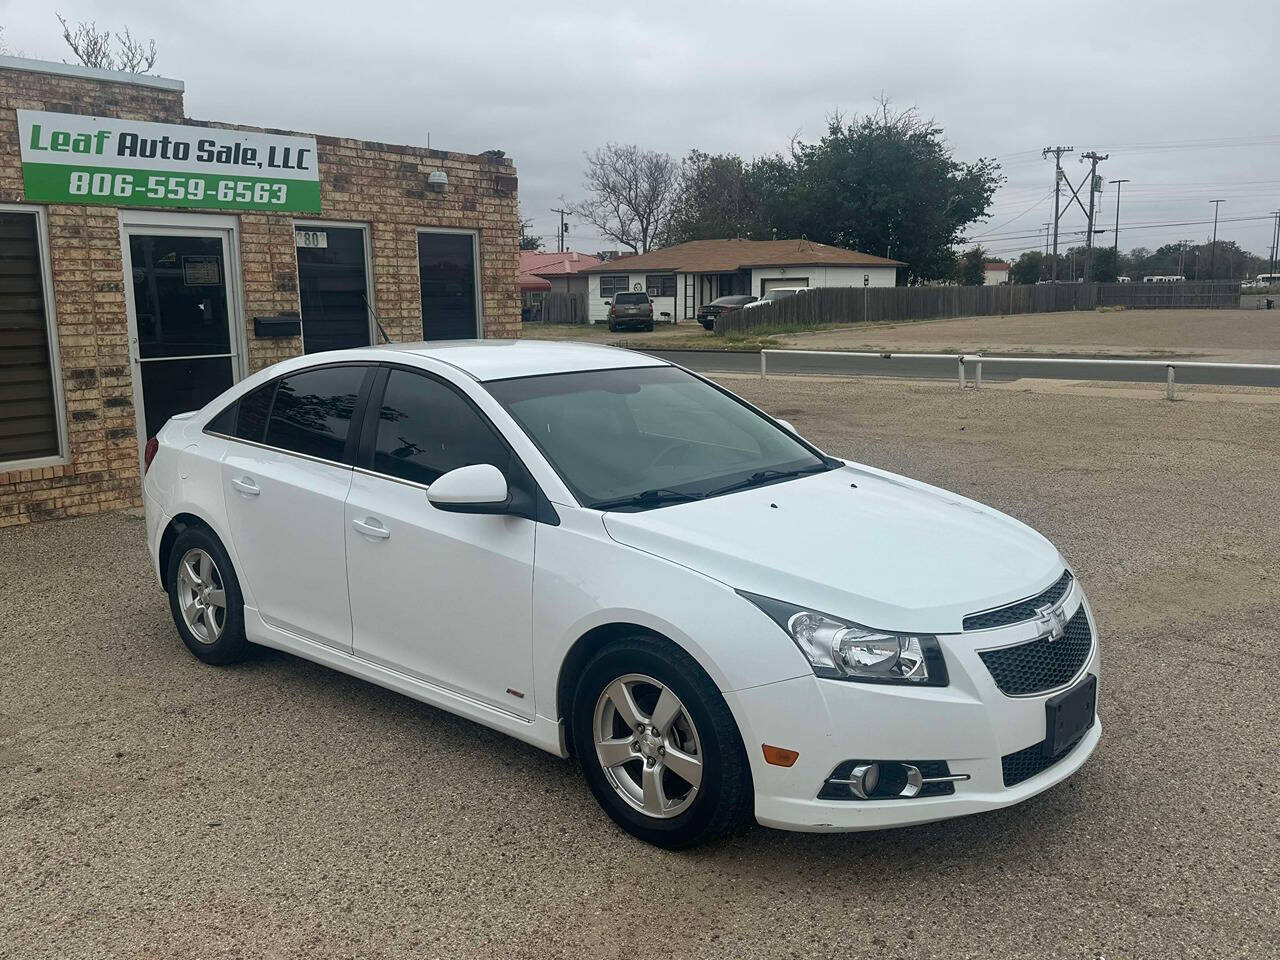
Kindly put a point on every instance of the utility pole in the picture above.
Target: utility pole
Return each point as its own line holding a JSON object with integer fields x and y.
{"x": 1115, "y": 239}
{"x": 1057, "y": 191}
{"x": 1213, "y": 250}
{"x": 564, "y": 228}
{"x": 1275, "y": 244}
{"x": 1094, "y": 159}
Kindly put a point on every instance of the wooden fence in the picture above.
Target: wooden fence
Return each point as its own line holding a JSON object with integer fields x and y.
{"x": 902, "y": 304}
{"x": 561, "y": 308}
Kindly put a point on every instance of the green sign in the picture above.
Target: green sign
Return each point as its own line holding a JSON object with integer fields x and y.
{"x": 67, "y": 158}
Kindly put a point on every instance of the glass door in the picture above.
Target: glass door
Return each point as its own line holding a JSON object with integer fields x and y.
{"x": 180, "y": 322}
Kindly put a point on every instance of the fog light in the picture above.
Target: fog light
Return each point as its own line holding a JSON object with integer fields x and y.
{"x": 890, "y": 780}
{"x": 863, "y": 780}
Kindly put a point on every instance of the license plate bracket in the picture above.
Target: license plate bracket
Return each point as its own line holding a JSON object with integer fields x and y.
{"x": 1068, "y": 715}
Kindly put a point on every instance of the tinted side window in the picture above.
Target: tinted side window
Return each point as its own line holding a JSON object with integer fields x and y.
{"x": 251, "y": 423}
{"x": 312, "y": 411}
{"x": 225, "y": 422}
{"x": 425, "y": 429}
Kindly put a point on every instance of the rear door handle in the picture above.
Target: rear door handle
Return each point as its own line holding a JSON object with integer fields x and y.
{"x": 246, "y": 486}
{"x": 371, "y": 528}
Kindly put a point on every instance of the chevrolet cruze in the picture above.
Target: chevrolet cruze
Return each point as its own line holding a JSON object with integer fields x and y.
{"x": 609, "y": 557}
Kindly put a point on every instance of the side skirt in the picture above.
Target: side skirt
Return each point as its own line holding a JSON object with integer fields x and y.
{"x": 540, "y": 732}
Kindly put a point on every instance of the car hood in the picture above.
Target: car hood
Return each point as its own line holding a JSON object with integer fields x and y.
{"x": 856, "y": 542}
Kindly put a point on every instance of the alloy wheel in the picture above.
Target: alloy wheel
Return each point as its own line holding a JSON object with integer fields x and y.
{"x": 648, "y": 746}
{"x": 202, "y": 597}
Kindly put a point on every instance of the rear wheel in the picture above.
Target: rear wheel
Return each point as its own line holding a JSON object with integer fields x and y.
{"x": 658, "y": 746}
{"x": 204, "y": 598}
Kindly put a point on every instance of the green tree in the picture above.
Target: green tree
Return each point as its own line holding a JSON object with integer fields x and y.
{"x": 718, "y": 198}
{"x": 969, "y": 267}
{"x": 886, "y": 184}
{"x": 1026, "y": 269}
{"x": 1105, "y": 267}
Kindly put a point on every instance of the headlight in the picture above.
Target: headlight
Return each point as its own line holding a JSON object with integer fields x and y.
{"x": 842, "y": 650}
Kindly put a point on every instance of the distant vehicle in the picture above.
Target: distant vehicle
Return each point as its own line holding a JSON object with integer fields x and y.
{"x": 1123, "y": 280}
{"x": 630, "y": 311}
{"x": 707, "y": 315}
{"x": 777, "y": 293}
{"x": 1268, "y": 280}
{"x": 1173, "y": 279}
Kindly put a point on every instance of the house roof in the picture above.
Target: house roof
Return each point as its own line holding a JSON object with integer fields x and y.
{"x": 996, "y": 265}
{"x": 541, "y": 264}
{"x": 724, "y": 256}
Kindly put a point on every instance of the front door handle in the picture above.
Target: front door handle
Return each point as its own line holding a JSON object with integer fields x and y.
{"x": 246, "y": 486}
{"x": 371, "y": 528}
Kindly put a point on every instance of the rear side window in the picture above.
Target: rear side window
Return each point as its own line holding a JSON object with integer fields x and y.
{"x": 225, "y": 422}
{"x": 425, "y": 429}
{"x": 312, "y": 411}
{"x": 631, "y": 298}
{"x": 251, "y": 423}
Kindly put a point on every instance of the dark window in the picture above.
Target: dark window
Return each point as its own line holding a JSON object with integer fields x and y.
{"x": 660, "y": 284}
{"x": 447, "y": 273}
{"x": 255, "y": 407}
{"x": 28, "y": 399}
{"x": 332, "y": 287}
{"x": 613, "y": 285}
{"x": 623, "y": 299}
{"x": 225, "y": 422}
{"x": 425, "y": 429}
{"x": 312, "y": 411}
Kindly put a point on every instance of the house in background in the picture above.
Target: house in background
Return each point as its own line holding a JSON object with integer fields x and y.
{"x": 552, "y": 273}
{"x": 995, "y": 272}
{"x": 680, "y": 279}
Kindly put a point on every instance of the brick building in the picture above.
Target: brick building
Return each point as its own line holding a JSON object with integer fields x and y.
{"x": 148, "y": 261}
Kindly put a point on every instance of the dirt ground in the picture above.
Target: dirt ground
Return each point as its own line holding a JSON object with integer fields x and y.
{"x": 1242, "y": 336}
{"x": 151, "y": 806}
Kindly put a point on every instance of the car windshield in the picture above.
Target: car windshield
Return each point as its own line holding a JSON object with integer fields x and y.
{"x": 631, "y": 298}
{"x": 778, "y": 294}
{"x": 644, "y": 437}
{"x": 729, "y": 301}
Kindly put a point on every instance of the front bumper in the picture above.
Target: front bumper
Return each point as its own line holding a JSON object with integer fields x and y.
{"x": 969, "y": 723}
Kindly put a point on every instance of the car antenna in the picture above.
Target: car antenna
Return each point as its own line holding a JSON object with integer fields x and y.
{"x": 369, "y": 307}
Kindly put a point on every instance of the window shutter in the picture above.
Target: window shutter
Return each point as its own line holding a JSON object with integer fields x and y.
{"x": 28, "y": 407}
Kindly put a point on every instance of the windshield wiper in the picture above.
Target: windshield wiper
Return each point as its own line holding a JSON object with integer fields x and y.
{"x": 647, "y": 498}
{"x": 765, "y": 476}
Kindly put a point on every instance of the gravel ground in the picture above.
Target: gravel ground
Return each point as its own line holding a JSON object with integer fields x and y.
{"x": 151, "y": 806}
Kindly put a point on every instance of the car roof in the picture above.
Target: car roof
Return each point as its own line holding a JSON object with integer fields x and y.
{"x": 504, "y": 359}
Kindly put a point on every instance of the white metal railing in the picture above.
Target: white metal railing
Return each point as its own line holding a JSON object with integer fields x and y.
{"x": 977, "y": 360}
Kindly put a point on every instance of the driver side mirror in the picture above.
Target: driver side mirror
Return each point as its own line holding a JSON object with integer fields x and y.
{"x": 479, "y": 488}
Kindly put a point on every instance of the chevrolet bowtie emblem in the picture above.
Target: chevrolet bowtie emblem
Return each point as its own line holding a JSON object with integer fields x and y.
{"x": 1052, "y": 621}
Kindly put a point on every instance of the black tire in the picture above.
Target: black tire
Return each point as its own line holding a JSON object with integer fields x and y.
{"x": 230, "y": 645}
{"x": 724, "y": 799}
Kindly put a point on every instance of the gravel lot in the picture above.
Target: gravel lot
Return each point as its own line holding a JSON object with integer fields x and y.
{"x": 151, "y": 806}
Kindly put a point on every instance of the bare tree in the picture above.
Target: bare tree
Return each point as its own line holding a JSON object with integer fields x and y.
{"x": 93, "y": 48}
{"x": 633, "y": 192}
{"x": 5, "y": 49}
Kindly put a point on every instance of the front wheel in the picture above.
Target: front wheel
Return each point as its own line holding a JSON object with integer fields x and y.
{"x": 658, "y": 745}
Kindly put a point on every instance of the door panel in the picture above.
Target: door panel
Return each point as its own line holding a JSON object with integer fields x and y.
{"x": 181, "y": 322}
{"x": 289, "y": 539}
{"x": 445, "y": 597}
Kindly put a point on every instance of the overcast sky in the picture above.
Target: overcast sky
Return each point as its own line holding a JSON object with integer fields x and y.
{"x": 1184, "y": 96}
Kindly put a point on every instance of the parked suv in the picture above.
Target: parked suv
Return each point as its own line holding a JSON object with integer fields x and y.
{"x": 631, "y": 311}
{"x": 707, "y": 315}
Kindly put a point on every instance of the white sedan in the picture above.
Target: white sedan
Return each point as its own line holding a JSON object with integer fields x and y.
{"x": 605, "y": 555}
